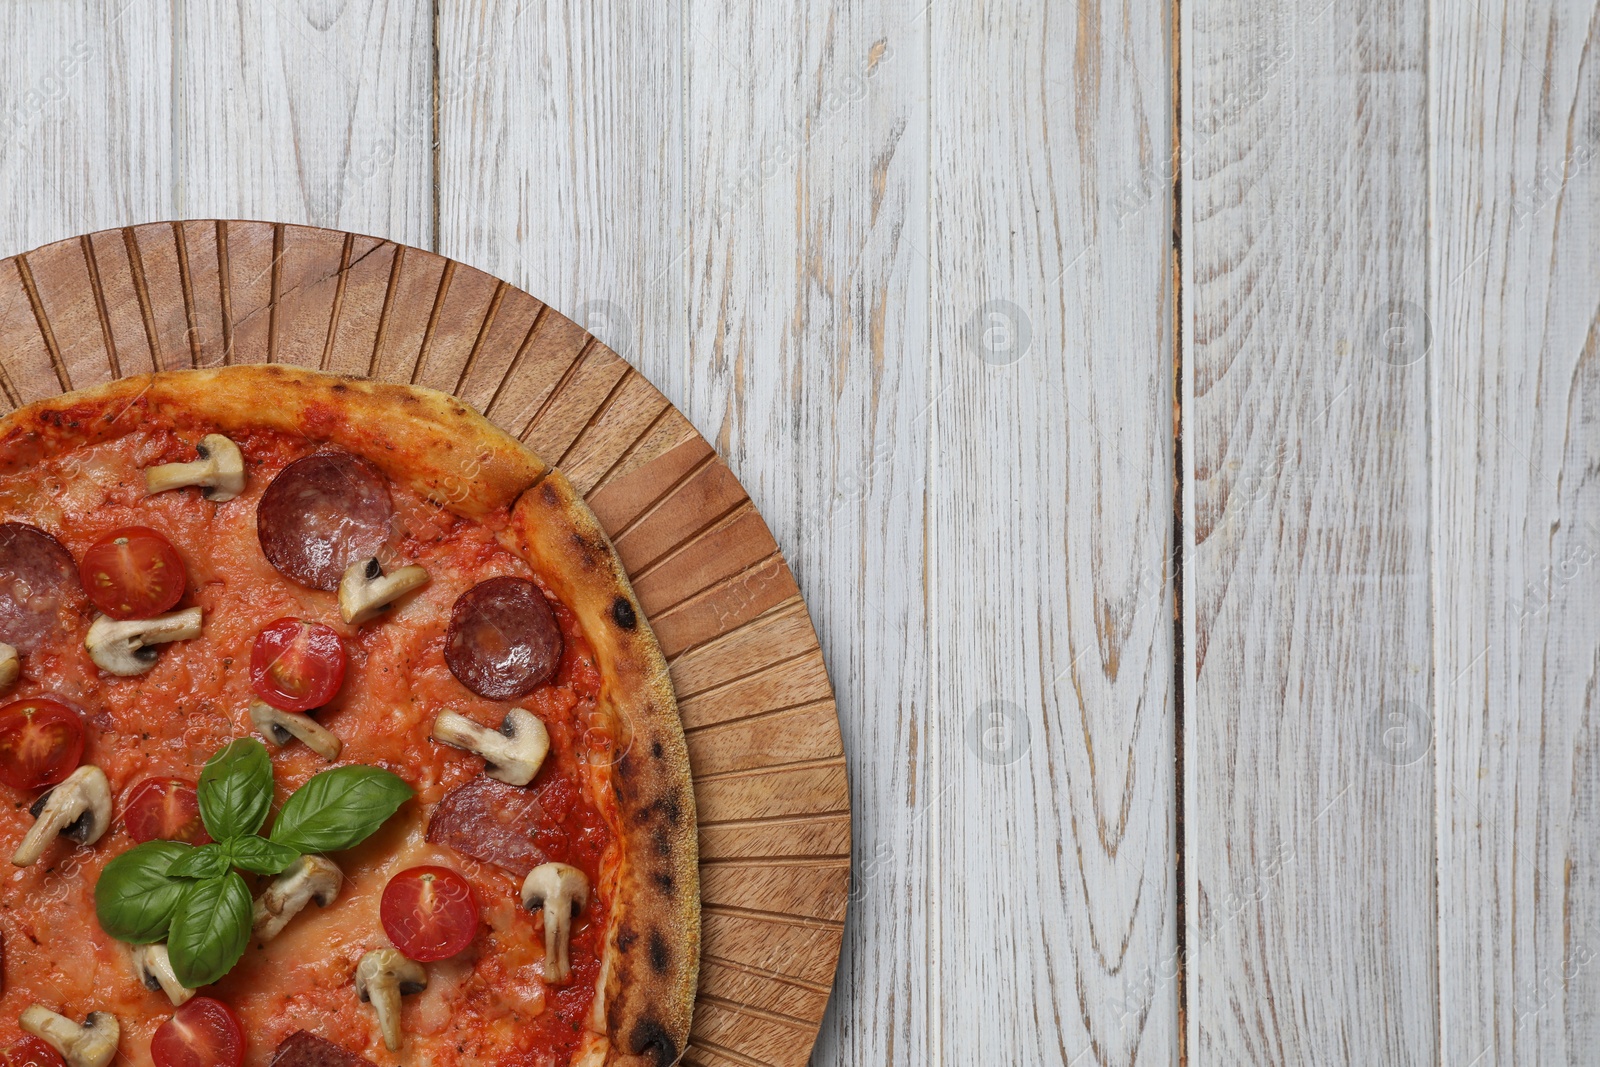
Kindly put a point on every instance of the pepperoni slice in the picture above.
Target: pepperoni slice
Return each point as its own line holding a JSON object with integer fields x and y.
{"x": 321, "y": 514}
{"x": 302, "y": 1049}
{"x": 490, "y": 821}
{"x": 37, "y": 575}
{"x": 503, "y": 638}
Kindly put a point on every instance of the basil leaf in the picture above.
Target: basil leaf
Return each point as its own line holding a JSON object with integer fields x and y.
{"x": 136, "y": 894}
{"x": 259, "y": 855}
{"x": 207, "y": 861}
{"x": 236, "y": 789}
{"x": 339, "y": 808}
{"x": 210, "y": 929}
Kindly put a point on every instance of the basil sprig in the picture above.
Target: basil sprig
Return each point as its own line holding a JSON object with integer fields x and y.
{"x": 261, "y": 856}
{"x": 137, "y": 893}
{"x": 194, "y": 898}
{"x": 210, "y": 929}
{"x": 339, "y": 809}
{"x": 207, "y": 861}
{"x": 236, "y": 789}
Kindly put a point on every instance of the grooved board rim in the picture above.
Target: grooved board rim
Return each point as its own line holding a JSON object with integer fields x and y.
{"x": 764, "y": 739}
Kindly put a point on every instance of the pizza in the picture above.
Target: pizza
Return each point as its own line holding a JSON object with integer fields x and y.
{"x": 331, "y": 733}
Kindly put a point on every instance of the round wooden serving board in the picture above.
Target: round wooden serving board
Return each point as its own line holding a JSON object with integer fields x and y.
{"x": 757, "y": 706}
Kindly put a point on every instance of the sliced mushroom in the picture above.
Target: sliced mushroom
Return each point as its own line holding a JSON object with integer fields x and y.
{"x": 93, "y": 1044}
{"x": 219, "y": 471}
{"x": 561, "y": 891}
{"x": 10, "y": 666}
{"x": 154, "y": 968}
{"x": 512, "y": 754}
{"x": 382, "y": 977}
{"x": 126, "y": 647}
{"x": 365, "y": 590}
{"x": 79, "y": 808}
{"x": 308, "y": 878}
{"x": 280, "y": 727}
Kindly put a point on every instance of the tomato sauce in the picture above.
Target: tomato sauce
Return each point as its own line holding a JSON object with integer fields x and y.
{"x": 488, "y": 1004}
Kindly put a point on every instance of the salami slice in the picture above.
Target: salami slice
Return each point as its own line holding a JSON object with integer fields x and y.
{"x": 321, "y": 514}
{"x": 503, "y": 639}
{"x": 37, "y": 576}
{"x": 490, "y": 821}
{"x": 305, "y": 1049}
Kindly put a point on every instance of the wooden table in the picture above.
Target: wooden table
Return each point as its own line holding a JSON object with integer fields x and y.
{"x": 1184, "y": 427}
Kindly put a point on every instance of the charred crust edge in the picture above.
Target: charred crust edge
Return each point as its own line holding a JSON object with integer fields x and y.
{"x": 660, "y": 953}
{"x": 554, "y": 530}
{"x": 650, "y": 1038}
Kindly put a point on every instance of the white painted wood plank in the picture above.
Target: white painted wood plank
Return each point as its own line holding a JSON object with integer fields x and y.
{"x": 560, "y": 161}
{"x": 85, "y": 137}
{"x": 1050, "y": 524}
{"x": 1516, "y": 353}
{"x": 318, "y": 112}
{"x": 806, "y": 184}
{"x": 1309, "y": 791}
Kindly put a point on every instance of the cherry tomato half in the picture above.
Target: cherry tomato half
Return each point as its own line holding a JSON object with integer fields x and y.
{"x": 165, "y": 809}
{"x": 31, "y": 1052}
{"x": 133, "y": 573}
{"x": 41, "y": 742}
{"x": 430, "y": 913}
{"x": 297, "y": 665}
{"x": 201, "y": 1033}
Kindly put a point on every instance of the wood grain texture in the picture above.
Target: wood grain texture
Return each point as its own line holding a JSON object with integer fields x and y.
{"x": 806, "y": 266}
{"x": 1050, "y": 531}
{"x": 560, "y": 148}
{"x": 1515, "y": 350}
{"x": 85, "y": 118}
{"x": 1309, "y": 788}
{"x": 316, "y": 112}
{"x": 758, "y": 708}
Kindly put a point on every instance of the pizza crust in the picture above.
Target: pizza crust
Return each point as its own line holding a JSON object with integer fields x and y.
{"x": 651, "y": 965}
{"x": 421, "y": 438}
{"x": 443, "y": 450}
